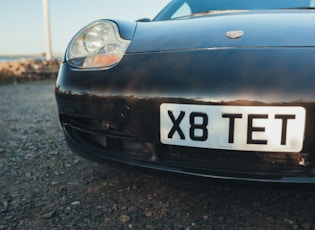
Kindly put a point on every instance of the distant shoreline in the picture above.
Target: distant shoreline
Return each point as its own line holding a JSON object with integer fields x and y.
{"x": 14, "y": 69}
{"x": 28, "y": 57}
{"x": 16, "y": 58}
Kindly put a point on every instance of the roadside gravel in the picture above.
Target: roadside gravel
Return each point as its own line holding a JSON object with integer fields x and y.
{"x": 45, "y": 186}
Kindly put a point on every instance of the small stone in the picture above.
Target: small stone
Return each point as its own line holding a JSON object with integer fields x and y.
{"x": 288, "y": 221}
{"x": 5, "y": 204}
{"x": 306, "y": 225}
{"x": 13, "y": 172}
{"x": 148, "y": 213}
{"x": 131, "y": 208}
{"x": 124, "y": 218}
{"x": 49, "y": 215}
{"x": 67, "y": 210}
{"x": 28, "y": 174}
{"x": 75, "y": 203}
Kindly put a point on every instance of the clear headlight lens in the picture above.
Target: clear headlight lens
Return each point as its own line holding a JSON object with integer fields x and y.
{"x": 97, "y": 45}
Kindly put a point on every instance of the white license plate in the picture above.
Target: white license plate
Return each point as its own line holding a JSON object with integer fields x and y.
{"x": 246, "y": 128}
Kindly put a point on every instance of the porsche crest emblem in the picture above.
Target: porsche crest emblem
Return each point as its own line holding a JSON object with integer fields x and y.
{"x": 234, "y": 34}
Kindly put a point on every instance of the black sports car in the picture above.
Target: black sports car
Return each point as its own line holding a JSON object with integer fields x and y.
{"x": 209, "y": 88}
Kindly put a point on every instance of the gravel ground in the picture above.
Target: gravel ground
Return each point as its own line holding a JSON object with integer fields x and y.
{"x": 45, "y": 186}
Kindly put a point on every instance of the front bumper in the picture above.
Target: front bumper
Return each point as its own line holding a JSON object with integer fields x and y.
{"x": 114, "y": 115}
{"x": 120, "y": 133}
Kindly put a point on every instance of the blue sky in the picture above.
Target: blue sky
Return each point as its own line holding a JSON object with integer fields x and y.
{"x": 22, "y": 26}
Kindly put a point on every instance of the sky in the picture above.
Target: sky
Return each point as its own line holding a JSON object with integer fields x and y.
{"x": 22, "y": 21}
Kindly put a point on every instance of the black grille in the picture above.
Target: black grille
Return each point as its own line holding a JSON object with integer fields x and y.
{"x": 107, "y": 138}
{"x": 122, "y": 140}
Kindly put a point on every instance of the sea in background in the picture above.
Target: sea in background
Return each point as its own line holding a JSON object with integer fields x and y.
{"x": 16, "y": 58}
{"x": 22, "y": 57}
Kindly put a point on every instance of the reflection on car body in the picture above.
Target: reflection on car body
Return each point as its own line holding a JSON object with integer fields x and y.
{"x": 215, "y": 89}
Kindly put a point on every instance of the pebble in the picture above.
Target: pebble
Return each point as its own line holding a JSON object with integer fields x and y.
{"x": 288, "y": 221}
{"x": 148, "y": 213}
{"x": 75, "y": 203}
{"x": 305, "y": 225}
{"x": 13, "y": 172}
{"x": 49, "y": 215}
{"x": 124, "y": 218}
{"x": 28, "y": 174}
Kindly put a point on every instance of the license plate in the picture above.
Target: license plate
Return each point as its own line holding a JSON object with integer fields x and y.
{"x": 245, "y": 128}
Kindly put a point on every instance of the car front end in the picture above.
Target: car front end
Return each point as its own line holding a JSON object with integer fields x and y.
{"x": 228, "y": 96}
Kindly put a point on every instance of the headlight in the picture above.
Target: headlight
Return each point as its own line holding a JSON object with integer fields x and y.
{"x": 98, "y": 45}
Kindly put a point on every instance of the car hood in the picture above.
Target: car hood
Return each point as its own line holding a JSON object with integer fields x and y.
{"x": 274, "y": 28}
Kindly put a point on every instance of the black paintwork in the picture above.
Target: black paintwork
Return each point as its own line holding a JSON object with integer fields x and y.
{"x": 168, "y": 62}
{"x": 277, "y": 28}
